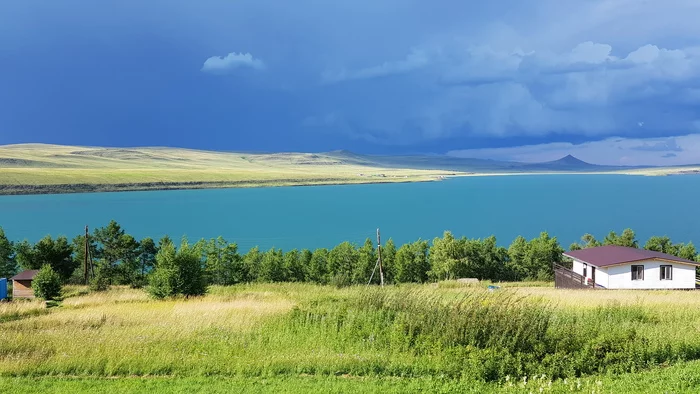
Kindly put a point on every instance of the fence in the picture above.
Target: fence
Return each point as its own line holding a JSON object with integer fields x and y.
{"x": 565, "y": 278}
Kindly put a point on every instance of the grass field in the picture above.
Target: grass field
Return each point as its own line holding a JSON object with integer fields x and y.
{"x": 308, "y": 338}
{"x": 37, "y": 168}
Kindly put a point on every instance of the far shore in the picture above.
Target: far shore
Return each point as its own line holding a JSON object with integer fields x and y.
{"x": 56, "y": 169}
{"x": 74, "y": 188}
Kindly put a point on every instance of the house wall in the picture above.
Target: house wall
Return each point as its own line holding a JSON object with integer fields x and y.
{"x": 577, "y": 267}
{"x": 601, "y": 274}
{"x": 620, "y": 276}
{"x": 22, "y": 289}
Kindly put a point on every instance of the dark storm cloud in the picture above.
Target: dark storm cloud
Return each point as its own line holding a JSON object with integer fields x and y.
{"x": 390, "y": 75}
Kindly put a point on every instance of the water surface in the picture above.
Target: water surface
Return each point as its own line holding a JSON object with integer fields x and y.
{"x": 566, "y": 206}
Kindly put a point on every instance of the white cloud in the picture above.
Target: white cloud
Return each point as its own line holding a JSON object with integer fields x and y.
{"x": 590, "y": 52}
{"x": 611, "y": 151}
{"x": 583, "y": 90}
{"x": 218, "y": 64}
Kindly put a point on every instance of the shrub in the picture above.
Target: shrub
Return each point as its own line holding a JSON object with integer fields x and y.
{"x": 101, "y": 280}
{"x": 47, "y": 283}
{"x": 178, "y": 272}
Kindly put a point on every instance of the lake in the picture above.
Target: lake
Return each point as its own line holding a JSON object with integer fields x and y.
{"x": 567, "y": 206}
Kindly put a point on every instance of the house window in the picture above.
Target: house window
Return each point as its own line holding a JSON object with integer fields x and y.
{"x": 585, "y": 270}
{"x": 666, "y": 272}
{"x": 637, "y": 272}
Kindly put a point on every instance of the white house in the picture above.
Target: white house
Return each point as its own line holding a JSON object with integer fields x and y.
{"x": 619, "y": 267}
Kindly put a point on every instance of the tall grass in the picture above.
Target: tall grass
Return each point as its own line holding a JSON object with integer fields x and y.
{"x": 414, "y": 331}
{"x": 21, "y": 308}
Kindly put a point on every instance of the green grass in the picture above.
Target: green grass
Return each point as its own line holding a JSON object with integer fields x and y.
{"x": 308, "y": 338}
{"x": 678, "y": 379}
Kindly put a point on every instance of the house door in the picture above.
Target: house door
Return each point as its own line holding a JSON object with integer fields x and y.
{"x": 593, "y": 276}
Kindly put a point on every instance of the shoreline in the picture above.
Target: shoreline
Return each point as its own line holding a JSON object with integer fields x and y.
{"x": 85, "y": 188}
{"x": 37, "y": 190}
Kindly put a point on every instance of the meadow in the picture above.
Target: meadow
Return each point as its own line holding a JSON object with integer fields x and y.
{"x": 287, "y": 337}
{"x": 40, "y": 168}
{"x": 43, "y": 168}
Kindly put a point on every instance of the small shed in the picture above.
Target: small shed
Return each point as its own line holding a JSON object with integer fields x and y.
{"x": 22, "y": 284}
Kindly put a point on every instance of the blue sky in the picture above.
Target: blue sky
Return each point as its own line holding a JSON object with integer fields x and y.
{"x": 611, "y": 81}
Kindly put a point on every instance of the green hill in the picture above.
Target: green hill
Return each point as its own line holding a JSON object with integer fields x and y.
{"x": 41, "y": 168}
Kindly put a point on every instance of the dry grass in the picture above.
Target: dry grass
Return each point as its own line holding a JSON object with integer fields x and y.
{"x": 47, "y": 165}
{"x": 668, "y": 299}
{"x": 124, "y": 332}
{"x": 20, "y": 308}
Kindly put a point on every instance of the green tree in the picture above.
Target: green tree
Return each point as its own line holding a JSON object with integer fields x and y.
{"x": 294, "y": 269}
{"x": 57, "y": 253}
{"x": 305, "y": 261}
{"x": 389, "y": 261}
{"x": 233, "y": 264}
{"x": 119, "y": 251}
{"x": 252, "y": 262}
{"x": 178, "y": 271}
{"x": 627, "y": 238}
{"x": 541, "y": 253}
{"x": 687, "y": 251}
{"x": 272, "y": 266}
{"x": 318, "y": 265}
{"x": 491, "y": 259}
{"x": 447, "y": 259}
{"x": 533, "y": 260}
{"x": 342, "y": 261}
{"x": 101, "y": 279}
{"x": 516, "y": 267}
{"x": 575, "y": 246}
{"x": 163, "y": 281}
{"x": 146, "y": 256}
{"x": 366, "y": 261}
{"x": 8, "y": 265}
{"x": 47, "y": 283}
{"x": 224, "y": 266}
{"x": 589, "y": 241}
{"x": 661, "y": 244}
{"x": 164, "y": 241}
{"x": 412, "y": 263}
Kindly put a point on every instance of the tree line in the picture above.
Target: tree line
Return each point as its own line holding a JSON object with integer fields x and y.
{"x": 167, "y": 268}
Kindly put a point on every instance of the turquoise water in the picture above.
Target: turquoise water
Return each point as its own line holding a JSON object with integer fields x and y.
{"x": 567, "y": 206}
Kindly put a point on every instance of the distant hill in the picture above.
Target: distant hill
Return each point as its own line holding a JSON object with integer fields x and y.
{"x": 568, "y": 163}
{"x": 38, "y": 168}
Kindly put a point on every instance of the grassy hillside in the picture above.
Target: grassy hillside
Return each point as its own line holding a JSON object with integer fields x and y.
{"x": 308, "y": 338}
{"x": 37, "y": 168}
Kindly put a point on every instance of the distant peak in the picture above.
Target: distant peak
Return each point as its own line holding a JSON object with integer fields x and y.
{"x": 571, "y": 159}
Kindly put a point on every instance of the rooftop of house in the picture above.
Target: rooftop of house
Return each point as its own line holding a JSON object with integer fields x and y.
{"x": 603, "y": 256}
{"x": 25, "y": 275}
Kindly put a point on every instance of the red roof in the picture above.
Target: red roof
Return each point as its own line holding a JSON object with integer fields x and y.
{"x": 25, "y": 275}
{"x": 602, "y": 256}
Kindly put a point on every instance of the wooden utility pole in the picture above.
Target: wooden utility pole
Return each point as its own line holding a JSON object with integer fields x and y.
{"x": 379, "y": 258}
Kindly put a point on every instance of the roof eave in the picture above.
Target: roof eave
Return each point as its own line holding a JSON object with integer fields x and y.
{"x": 632, "y": 261}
